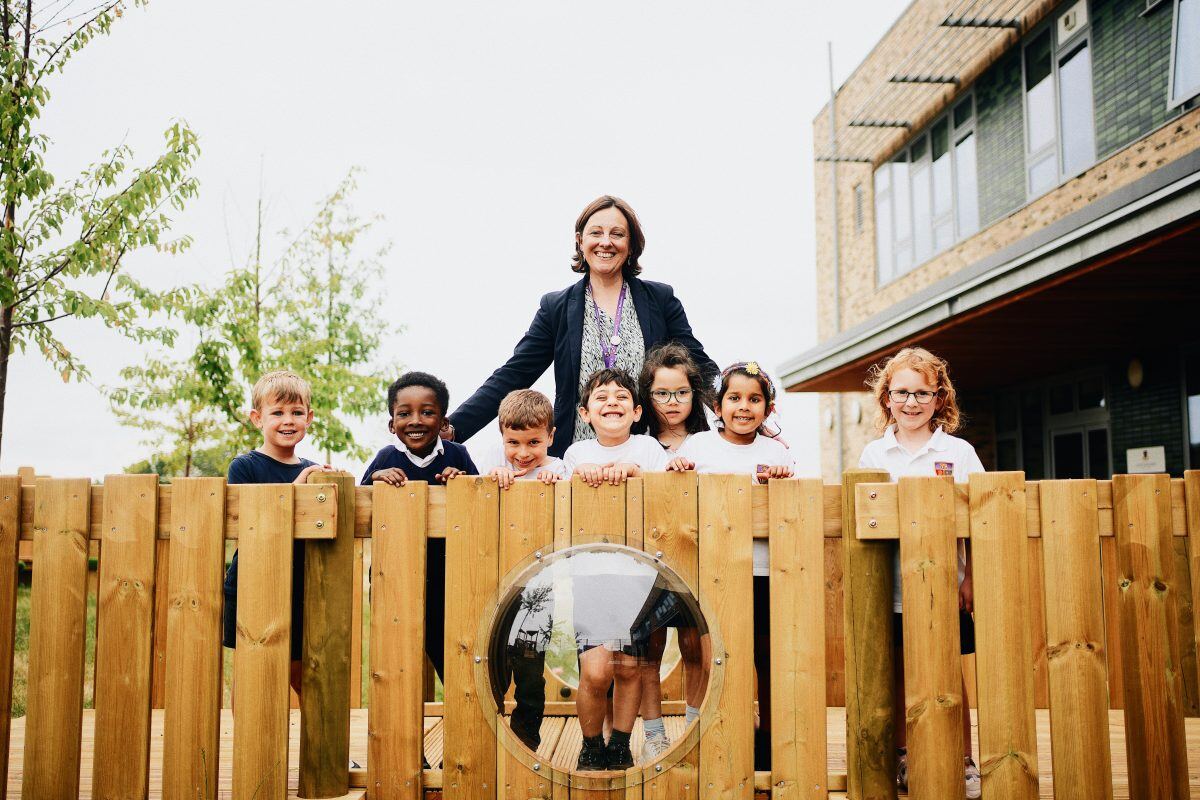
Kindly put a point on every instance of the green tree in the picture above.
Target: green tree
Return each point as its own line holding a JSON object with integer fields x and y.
{"x": 62, "y": 246}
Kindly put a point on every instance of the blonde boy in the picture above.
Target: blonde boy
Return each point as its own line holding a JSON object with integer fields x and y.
{"x": 282, "y": 410}
{"x": 526, "y": 430}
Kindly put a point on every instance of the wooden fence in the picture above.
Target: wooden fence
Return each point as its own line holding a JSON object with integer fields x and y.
{"x": 1083, "y": 592}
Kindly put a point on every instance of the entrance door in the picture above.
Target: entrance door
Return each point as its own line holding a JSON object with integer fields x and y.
{"x": 1080, "y": 452}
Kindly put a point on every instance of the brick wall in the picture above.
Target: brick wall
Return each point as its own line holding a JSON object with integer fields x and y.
{"x": 1150, "y": 415}
{"x": 1131, "y": 61}
{"x": 1001, "y": 152}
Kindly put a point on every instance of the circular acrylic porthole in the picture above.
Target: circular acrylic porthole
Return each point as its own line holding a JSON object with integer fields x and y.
{"x": 611, "y": 623}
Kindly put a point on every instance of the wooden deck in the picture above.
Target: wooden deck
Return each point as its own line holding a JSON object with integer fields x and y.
{"x": 560, "y": 743}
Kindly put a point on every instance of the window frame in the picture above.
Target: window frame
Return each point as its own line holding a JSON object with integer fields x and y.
{"x": 1174, "y": 103}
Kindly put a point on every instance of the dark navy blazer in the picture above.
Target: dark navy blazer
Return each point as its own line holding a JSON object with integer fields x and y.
{"x": 556, "y": 336}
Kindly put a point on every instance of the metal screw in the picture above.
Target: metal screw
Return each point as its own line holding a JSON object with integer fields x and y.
{"x": 658, "y": 553}
{"x": 873, "y": 495}
{"x": 321, "y": 498}
{"x": 718, "y": 662}
{"x": 658, "y": 767}
{"x": 873, "y": 524}
{"x": 536, "y": 767}
{"x": 320, "y": 523}
{"x": 478, "y": 659}
{"x": 538, "y": 554}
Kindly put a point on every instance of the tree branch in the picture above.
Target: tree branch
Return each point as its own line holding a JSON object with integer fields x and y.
{"x": 46, "y": 321}
{"x": 68, "y": 39}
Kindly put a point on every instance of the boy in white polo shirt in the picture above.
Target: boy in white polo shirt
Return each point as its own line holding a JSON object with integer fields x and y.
{"x": 918, "y": 410}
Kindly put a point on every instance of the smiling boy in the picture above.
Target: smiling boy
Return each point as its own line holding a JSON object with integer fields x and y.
{"x": 417, "y": 404}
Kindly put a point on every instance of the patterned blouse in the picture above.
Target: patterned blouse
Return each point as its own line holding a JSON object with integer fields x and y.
{"x": 631, "y": 352}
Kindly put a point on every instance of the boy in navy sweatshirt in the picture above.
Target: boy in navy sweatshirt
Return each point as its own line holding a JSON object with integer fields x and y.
{"x": 417, "y": 404}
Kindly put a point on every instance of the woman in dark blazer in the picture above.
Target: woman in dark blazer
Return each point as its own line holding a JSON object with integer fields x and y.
{"x": 609, "y": 318}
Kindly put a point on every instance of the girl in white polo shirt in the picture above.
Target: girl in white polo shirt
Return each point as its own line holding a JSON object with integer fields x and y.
{"x": 918, "y": 412}
{"x": 743, "y": 444}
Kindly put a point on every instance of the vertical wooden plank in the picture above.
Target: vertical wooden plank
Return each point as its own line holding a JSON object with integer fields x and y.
{"x": 526, "y": 526}
{"x": 1079, "y": 739}
{"x": 356, "y": 628}
{"x": 1007, "y": 729}
{"x": 394, "y": 729}
{"x": 563, "y": 502}
{"x": 835, "y": 625}
{"x": 123, "y": 636}
{"x": 472, "y": 539}
{"x": 1149, "y": 637}
{"x": 162, "y": 604}
{"x": 262, "y": 657}
{"x": 799, "y": 754}
{"x": 1187, "y": 625}
{"x": 1110, "y": 580}
{"x": 10, "y": 529}
{"x": 57, "y": 620}
{"x": 192, "y": 689}
{"x": 933, "y": 672}
{"x": 598, "y": 515}
{"x": 1037, "y": 623}
{"x": 325, "y": 670}
{"x": 1191, "y": 497}
{"x": 671, "y": 522}
{"x": 867, "y": 598}
{"x": 726, "y": 587}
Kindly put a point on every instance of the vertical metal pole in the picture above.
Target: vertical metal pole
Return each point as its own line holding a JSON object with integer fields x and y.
{"x": 837, "y": 259}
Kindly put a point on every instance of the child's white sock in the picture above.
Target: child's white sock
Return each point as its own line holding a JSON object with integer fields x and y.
{"x": 691, "y": 714}
{"x": 654, "y": 727}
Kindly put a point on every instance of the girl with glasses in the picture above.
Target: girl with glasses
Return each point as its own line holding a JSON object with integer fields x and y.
{"x": 918, "y": 412}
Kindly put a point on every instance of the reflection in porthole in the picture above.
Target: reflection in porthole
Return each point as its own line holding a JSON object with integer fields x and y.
{"x": 608, "y": 621}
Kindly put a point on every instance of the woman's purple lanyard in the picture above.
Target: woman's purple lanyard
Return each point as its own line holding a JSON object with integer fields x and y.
{"x": 609, "y": 344}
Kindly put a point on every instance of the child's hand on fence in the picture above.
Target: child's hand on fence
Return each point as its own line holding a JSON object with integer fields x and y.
{"x": 966, "y": 595}
{"x": 547, "y": 477}
{"x": 392, "y": 476}
{"x": 505, "y": 476}
{"x": 445, "y": 475}
{"x": 304, "y": 473}
{"x": 680, "y": 464}
{"x": 765, "y": 472}
{"x": 591, "y": 474}
{"x": 617, "y": 473}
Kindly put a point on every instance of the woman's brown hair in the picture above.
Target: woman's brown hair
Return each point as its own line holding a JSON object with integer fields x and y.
{"x": 637, "y": 239}
{"x": 934, "y": 370}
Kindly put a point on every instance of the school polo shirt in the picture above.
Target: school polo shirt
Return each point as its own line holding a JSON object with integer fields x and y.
{"x": 943, "y": 454}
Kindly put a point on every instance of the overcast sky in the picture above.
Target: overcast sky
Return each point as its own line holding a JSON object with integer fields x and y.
{"x": 482, "y": 129}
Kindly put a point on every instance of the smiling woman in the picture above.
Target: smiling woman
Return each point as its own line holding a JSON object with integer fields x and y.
{"x": 608, "y": 319}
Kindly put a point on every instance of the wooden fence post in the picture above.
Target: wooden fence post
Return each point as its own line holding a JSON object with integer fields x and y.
{"x": 192, "y": 692}
{"x": 472, "y": 539}
{"x": 727, "y": 587}
{"x": 325, "y": 671}
{"x": 933, "y": 665}
{"x": 1154, "y": 732}
{"x": 262, "y": 657}
{"x": 10, "y": 529}
{"x": 1075, "y": 636}
{"x": 1007, "y": 728}
{"x": 867, "y": 577}
{"x": 125, "y": 620}
{"x": 799, "y": 746}
{"x": 394, "y": 722}
{"x": 57, "y": 621}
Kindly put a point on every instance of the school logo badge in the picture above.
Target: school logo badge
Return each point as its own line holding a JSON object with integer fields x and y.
{"x": 943, "y": 468}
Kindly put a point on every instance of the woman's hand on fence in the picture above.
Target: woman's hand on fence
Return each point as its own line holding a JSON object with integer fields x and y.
{"x": 966, "y": 595}
{"x": 446, "y": 474}
{"x": 680, "y": 464}
{"x": 447, "y": 431}
{"x": 304, "y": 473}
{"x": 392, "y": 476}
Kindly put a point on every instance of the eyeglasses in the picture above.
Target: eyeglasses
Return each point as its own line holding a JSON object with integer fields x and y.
{"x": 901, "y": 396}
{"x": 662, "y": 396}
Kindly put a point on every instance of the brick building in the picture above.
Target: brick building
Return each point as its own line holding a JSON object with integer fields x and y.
{"x": 1015, "y": 185}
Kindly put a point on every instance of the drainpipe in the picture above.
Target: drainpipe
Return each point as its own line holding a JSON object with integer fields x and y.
{"x": 837, "y": 260}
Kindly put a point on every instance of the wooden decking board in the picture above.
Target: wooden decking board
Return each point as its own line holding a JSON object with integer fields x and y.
{"x": 562, "y": 735}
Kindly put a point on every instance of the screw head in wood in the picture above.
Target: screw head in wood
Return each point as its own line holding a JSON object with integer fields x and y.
{"x": 320, "y": 523}
{"x": 658, "y": 767}
{"x": 873, "y": 524}
{"x": 478, "y": 659}
{"x": 873, "y": 495}
{"x": 718, "y": 662}
{"x": 538, "y": 555}
{"x": 658, "y": 553}
{"x": 321, "y": 498}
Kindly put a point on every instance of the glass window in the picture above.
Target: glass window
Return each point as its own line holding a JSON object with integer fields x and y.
{"x": 1062, "y": 398}
{"x": 1043, "y": 174}
{"x": 883, "y": 221}
{"x": 1078, "y": 130}
{"x": 1191, "y": 368}
{"x": 922, "y": 222}
{"x": 1039, "y": 93}
{"x": 1098, "y": 454}
{"x": 966, "y": 187}
{"x": 1091, "y": 393}
{"x": 902, "y": 205}
{"x": 1068, "y": 455}
{"x": 1008, "y": 413}
{"x": 962, "y": 113}
{"x": 1186, "y": 64}
{"x": 1006, "y": 455}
